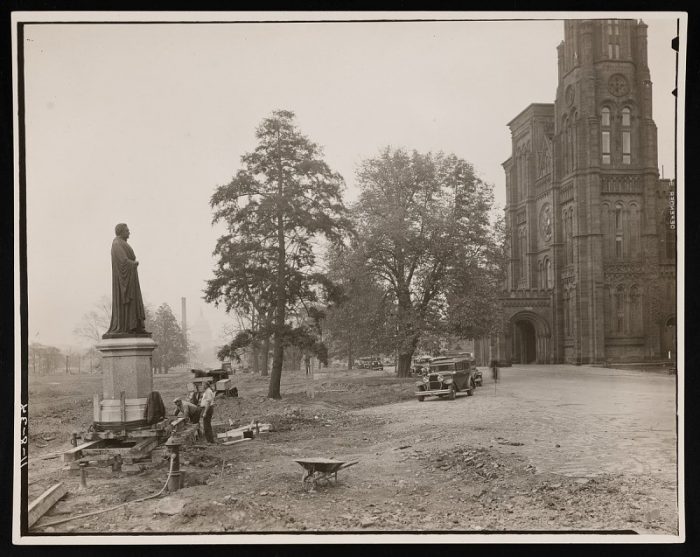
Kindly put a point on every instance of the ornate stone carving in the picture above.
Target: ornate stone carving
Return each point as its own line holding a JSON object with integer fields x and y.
{"x": 566, "y": 193}
{"x": 617, "y": 85}
{"x": 570, "y": 95}
{"x": 546, "y": 222}
{"x": 621, "y": 184}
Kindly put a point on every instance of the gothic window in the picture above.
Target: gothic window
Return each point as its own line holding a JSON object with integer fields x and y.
{"x": 635, "y": 231}
{"x": 605, "y": 134}
{"x": 522, "y": 240}
{"x": 613, "y": 36}
{"x": 567, "y": 332}
{"x": 620, "y": 310}
{"x": 626, "y": 117}
{"x": 570, "y": 237}
{"x": 607, "y": 231}
{"x": 548, "y": 274}
{"x": 572, "y": 310}
{"x": 626, "y": 137}
{"x": 619, "y": 232}
{"x": 635, "y": 309}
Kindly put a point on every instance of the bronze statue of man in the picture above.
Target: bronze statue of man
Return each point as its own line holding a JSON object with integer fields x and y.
{"x": 128, "y": 312}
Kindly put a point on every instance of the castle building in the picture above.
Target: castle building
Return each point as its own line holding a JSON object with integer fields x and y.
{"x": 591, "y": 274}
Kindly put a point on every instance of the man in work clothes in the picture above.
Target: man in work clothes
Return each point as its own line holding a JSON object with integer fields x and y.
{"x": 207, "y": 406}
{"x": 188, "y": 410}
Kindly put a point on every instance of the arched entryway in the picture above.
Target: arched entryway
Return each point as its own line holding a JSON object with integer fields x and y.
{"x": 668, "y": 337}
{"x": 530, "y": 339}
{"x": 525, "y": 342}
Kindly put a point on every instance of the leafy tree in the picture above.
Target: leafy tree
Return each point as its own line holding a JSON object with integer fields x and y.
{"x": 283, "y": 199}
{"x": 421, "y": 218}
{"x": 474, "y": 307}
{"x": 172, "y": 347}
{"x": 359, "y": 324}
{"x": 44, "y": 360}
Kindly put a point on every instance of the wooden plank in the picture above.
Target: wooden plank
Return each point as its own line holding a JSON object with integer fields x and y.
{"x": 230, "y": 435}
{"x": 144, "y": 446}
{"x": 236, "y": 441}
{"x": 143, "y": 433}
{"x": 44, "y": 502}
{"x": 74, "y": 453}
{"x": 106, "y": 451}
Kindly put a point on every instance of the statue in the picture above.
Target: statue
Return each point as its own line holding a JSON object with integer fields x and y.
{"x": 128, "y": 312}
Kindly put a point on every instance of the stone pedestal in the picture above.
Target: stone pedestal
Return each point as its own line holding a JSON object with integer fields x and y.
{"x": 126, "y": 368}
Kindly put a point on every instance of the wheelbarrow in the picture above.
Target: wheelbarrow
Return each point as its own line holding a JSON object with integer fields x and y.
{"x": 320, "y": 471}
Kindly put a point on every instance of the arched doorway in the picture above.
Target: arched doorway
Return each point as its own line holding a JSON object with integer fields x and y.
{"x": 525, "y": 342}
{"x": 668, "y": 337}
{"x": 529, "y": 339}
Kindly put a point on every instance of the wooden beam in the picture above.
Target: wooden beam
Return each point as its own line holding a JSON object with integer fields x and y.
{"x": 44, "y": 502}
{"x": 146, "y": 445}
{"x": 236, "y": 441}
{"x": 74, "y": 453}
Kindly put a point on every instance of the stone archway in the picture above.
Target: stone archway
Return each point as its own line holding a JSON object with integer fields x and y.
{"x": 530, "y": 339}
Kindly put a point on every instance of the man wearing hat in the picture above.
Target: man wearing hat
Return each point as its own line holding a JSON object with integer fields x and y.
{"x": 206, "y": 405}
{"x": 188, "y": 410}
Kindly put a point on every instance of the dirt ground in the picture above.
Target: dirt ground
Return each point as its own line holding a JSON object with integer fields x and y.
{"x": 434, "y": 466}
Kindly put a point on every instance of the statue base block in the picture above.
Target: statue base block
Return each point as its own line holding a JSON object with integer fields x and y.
{"x": 127, "y": 367}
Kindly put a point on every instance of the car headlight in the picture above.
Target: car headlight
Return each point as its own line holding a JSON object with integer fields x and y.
{"x": 439, "y": 378}
{"x": 425, "y": 379}
{"x": 448, "y": 379}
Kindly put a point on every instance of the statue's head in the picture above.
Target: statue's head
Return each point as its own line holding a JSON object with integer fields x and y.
{"x": 122, "y": 230}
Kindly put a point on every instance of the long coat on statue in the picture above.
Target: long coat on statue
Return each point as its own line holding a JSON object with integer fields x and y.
{"x": 128, "y": 313}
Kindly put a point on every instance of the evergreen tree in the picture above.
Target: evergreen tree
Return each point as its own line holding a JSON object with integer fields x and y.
{"x": 279, "y": 203}
{"x": 172, "y": 347}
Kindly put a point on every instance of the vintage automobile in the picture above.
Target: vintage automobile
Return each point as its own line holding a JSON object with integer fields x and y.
{"x": 478, "y": 377}
{"x": 370, "y": 363}
{"x": 447, "y": 376}
{"x": 420, "y": 364}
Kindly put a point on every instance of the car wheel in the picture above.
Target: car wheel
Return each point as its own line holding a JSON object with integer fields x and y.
{"x": 472, "y": 386}
{"x": 453, "y": 393}
{"x": 421, "y": 398}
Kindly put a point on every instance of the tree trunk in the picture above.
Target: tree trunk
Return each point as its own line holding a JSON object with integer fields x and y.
{"x": 350, "y": 362}
{"x": 265, "y": 356}
{"x": 278, "y": 348}
{"x": 255, "y": 362}
{"x": 404, "y": 368}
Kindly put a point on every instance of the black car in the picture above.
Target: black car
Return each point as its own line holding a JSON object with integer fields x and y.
{"x": 447, "y": 376}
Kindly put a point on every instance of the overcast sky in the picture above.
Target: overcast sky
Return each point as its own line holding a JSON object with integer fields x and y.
{"x": 140, "y": 124}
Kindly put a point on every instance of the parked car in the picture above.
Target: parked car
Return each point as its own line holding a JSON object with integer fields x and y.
{"x": 478, "y": 377}
{"x": 420, "y": 364}
{"x": 447, "y": 376}
{"x": 369, "y": 363}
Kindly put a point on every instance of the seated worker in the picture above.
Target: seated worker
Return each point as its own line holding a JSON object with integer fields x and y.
{"x": 189, "y": 411}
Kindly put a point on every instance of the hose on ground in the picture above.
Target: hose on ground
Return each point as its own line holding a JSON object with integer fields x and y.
{"x": 85, "y": 515}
